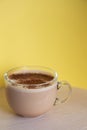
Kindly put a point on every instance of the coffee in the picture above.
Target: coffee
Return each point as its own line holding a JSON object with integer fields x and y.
{"x": 32, "y": 79}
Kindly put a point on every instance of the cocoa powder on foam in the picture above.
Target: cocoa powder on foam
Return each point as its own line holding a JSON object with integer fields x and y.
{"x": 31, "y": 79}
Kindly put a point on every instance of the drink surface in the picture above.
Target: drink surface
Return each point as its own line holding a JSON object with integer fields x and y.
{"x": 31, "y": 79}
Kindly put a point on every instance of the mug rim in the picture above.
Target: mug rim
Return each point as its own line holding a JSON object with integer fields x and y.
{"x": 31, "y": 66}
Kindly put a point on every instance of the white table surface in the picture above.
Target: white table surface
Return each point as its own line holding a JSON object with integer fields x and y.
{"x": 68, "y": 116}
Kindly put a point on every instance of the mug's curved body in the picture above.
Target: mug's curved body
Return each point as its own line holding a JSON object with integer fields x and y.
{"x": 27, "y": 101}
{"x": 31, "y": 102}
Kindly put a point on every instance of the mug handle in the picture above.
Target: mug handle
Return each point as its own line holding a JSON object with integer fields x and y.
{"x": 61, "y": 85}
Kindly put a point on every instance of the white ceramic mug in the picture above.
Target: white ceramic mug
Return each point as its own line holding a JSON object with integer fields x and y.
{"x": 34, "y": 102}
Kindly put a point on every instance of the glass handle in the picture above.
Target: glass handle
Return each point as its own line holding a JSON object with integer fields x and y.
{"x": 64, "y": 91}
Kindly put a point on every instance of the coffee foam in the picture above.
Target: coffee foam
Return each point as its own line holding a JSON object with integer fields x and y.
{"x": 22, "y": 86}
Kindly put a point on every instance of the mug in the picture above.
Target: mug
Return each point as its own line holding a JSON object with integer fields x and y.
{"x": 30, "y": 102}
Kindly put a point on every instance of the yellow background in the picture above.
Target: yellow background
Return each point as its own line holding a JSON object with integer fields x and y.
{"x": 50, "y": 33}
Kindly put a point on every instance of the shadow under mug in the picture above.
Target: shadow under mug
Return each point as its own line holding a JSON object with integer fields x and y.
{"x": 34, "y": 102}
